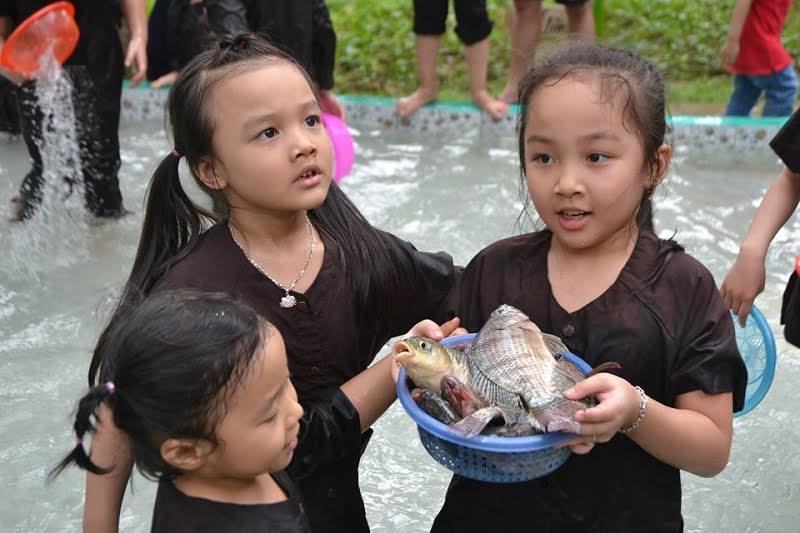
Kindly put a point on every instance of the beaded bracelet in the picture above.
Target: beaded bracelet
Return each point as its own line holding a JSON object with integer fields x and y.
{"x": 642, "y": 412}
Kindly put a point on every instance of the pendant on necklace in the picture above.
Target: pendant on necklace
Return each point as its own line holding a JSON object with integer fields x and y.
{"x": 288, "y": 301}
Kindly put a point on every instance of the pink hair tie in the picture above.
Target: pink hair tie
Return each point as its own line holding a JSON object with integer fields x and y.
{"x": 78, "y": 441}
{"x": 176, "y": 154}
{"x": 110, "y": 387}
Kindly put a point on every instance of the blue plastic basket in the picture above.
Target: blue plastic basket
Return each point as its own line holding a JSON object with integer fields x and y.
{"x": 487, "y": 458}
{"x": 757, "y": 346}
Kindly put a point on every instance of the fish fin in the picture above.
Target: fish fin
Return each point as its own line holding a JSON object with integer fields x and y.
{"x": 604, "y": 367}
{"x": 555, "y": 345}
{"x": 569, "y": 425}
{"x": 569, "y": 374}
{"x": 547, "y": 421}
{"x": 495, "y": 392}
{"x": 477, "y": 421}
{"x": 520, "y": 429}
{"x": 536, "y": 424}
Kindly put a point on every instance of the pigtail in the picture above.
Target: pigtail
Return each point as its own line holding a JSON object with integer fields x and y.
{"x": 86, "y": 413}
{"x": 172, "y": 226}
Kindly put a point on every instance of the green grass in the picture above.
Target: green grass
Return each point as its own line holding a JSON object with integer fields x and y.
{"x": 375, "y": 53}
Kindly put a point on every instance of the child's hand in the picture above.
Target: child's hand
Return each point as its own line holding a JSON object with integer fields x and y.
{"x": 744, "y": 282}
{"x": 730, "y": 51}
{"x": 618, "y": 407}
{"x": 431, "y": 330}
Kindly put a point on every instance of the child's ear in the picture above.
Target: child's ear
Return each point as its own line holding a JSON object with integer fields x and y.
{"x": 186, "y": 454}
{"x": 663, "y": 160}
{"x": 208, "y": 175}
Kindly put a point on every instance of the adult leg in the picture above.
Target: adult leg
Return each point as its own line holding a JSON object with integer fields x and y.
{"x": 525, "y": 28}
{"x": 30, "y": 116}
{"x": 429, "y": 26}
{"x": 580, "y": 19}
{"x": 97, "y": 102}
{"x": 781, "y": 93}
{"x": 744, "y": 97}
{"x": 473, "y": 28}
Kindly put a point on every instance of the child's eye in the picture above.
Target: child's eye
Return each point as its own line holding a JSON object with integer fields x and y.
{"x": 543, "y": 159}
{"x": 597, "y": 158}
{"x": 313, "y": 120}
{"x": 271, "y": 418}
{"x": 268, "y": 133}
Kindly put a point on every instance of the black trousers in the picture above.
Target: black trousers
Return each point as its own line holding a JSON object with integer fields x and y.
{"x": 97, "y": 109}
{"x": 472, "y": 20}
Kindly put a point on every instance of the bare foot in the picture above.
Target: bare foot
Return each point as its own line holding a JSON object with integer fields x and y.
{"x": 509, "y": 93}
{"x": 409, "y": 105}
{"x": 497, "y": 109}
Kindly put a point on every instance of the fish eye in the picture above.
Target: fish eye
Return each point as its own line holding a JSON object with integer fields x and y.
{"x": 423, "y": 345}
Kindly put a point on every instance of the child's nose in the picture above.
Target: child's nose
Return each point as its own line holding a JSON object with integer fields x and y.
{"x": 304, "y": 144}
{"x": 569, "y": 182}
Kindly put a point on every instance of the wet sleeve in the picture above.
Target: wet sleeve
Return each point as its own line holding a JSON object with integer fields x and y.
{"x": 330, "y": 430}
{"x": 708, "y": 357}
{"x": 429, "y": 278}
{"x": 323, "y": 47}
{"x": 786, "y": 143}
{"x": 227, "y": 16}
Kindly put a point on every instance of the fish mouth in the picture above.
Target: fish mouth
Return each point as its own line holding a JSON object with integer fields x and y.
{"x": 403, "y": 353}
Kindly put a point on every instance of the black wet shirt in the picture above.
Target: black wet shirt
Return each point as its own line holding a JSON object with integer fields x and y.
{"x": 787, "y": 143}
{"x": 664, "y": 322}
{"x": 326, "y": 346}
{"x": 176, "y": 512}
{"x": 303, "y": 28}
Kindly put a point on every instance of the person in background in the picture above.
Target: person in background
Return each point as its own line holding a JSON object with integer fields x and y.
{"x": 747, "y": 276}
{"x": 525, "y": 27}
{"x": 178, "y": 32}
{"x": 754, "y": 53}
{"x": 473, "y": 29}
{"x": 96, "y": 69}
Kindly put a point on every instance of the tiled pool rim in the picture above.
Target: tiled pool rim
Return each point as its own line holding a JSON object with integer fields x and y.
{"x": 726, "y": 133}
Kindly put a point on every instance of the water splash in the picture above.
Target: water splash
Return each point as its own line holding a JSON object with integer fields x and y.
{"x": 56, "y": 235}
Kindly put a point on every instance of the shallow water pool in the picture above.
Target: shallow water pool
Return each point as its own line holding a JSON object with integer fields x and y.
{"x": 451, "y": 190}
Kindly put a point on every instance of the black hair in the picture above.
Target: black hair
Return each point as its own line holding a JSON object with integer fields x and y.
{"x": 169, "y": 370}
{"x": 622, "y": 74}
{"x": 173, "y": 223}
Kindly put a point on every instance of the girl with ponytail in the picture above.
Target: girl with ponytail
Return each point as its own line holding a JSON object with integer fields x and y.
{"x": 197, "y": 385}
{"x": 246, "y": 121}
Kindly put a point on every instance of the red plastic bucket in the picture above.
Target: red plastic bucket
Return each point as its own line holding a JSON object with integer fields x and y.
{"x": 52, "y": 26}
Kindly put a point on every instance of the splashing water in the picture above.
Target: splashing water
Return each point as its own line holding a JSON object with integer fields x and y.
{"x": 56, "y": 235}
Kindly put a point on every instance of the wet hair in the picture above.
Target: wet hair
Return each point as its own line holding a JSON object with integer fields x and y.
{"x": 173, "y": 223}
{"x": 623, "y": 76}
{"x": 170, "y": 370}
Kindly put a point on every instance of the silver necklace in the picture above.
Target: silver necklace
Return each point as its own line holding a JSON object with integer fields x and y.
{"x": 287, "y": 300}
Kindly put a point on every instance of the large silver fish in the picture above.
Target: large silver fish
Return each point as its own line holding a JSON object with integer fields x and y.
{"x": 518, "y": 369}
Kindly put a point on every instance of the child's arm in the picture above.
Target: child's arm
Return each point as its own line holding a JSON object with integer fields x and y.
{"x": 746, "y": 278}
{"x": 135, "y": 12}
{"x": 695, "y": 435}
{"x": 730, "y": 51}
{"x": 372, "y": 391}
{"x": 104, "y": 493}
{"x": 332, "y": 428}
